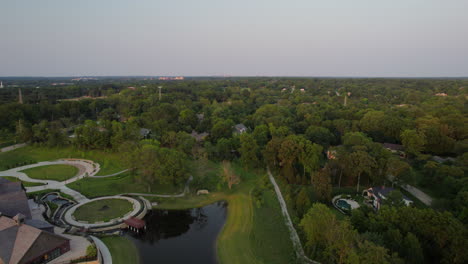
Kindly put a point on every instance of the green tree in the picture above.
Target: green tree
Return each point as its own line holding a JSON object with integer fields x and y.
{"x": 302, "y": 202}
{"x": 361, "y": 162}
{"x": 249, "y": 151}
{"x": 413, "y": 142}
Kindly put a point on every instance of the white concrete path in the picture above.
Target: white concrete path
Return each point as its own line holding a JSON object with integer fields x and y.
{"x": 86, "y": 168}
{"x": 293, "y": 233}
{"x": 13, "y": 147}
{"x": 105, "y": 253}
{"x": 68, "y": 216}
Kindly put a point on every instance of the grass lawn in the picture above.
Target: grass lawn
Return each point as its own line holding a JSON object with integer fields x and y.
{"x": 25, "y": 184}
{"x": 123, "y": 250}
{"x": 102, "y": 210}
{"x": 110, "y": 161}
{"x": 58, "y": 172}
{"x": 122, "y": 183}
{"x": 270, "y": 237}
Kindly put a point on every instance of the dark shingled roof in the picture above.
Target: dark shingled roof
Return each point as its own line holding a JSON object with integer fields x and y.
{"x": 21, "y": 243}
{"x": 13, "y": 199}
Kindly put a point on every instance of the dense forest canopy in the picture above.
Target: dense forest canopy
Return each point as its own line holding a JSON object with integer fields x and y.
{"x": 325, "y": 133}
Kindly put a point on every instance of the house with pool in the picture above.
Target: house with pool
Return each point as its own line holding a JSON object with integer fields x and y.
{"x": 376, "y": 195}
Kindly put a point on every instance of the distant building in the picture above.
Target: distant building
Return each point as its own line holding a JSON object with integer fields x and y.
{"x": 22, "y": 243}
{"x": 302, "y": 90}
{"x": 145, "y": 133}
{"x": 240, "y": 128}
{"x": 441, "y": 94}
{"x": 199, "y": 136}
{"x": 1, "y": 85}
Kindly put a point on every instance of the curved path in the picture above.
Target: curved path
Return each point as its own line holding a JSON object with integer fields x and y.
{"x": 105, "y": 253}
{"x": 70, "y": 219}
{"x": 110, "y": 175}
{"x": 86, "y": 168}
{"x": 293, "y": 233}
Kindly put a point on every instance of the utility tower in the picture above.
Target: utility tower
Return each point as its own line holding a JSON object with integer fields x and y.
{"x": 20, "y": 96}
{"x": 159, "y": 87}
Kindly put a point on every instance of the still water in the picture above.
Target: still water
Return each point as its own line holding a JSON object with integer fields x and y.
{"x": 181, "y": 236}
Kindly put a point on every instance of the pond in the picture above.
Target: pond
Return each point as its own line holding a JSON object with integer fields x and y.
{"x": 181, "y": 236}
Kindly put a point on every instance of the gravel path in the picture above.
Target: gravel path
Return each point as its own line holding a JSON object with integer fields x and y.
{"x": 293, "y": 233}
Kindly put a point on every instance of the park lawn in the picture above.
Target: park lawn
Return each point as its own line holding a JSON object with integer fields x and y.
{"x": 60, "y": 172}
{"x": 122, "y": 183}
{"x": 102, "y": 210}
{"x": 270, "y": 238}
{"x": 110, "y": 162}
{"x": 122, "y": 249}
{"x": 25, "y": 183}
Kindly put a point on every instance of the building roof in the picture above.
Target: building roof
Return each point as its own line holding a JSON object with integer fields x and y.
{"x": 199, "y": 136}
{"x": 144, "y": 132}
{"x": 393, "y": 146}
{"x": 20, "y": 243}
{"x": 13, "y": 199}
{"x": 135, "y": 222}
{"x": 240, "y": 127}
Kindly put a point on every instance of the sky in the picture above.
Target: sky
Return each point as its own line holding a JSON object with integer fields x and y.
{"x": 356, "y": 38}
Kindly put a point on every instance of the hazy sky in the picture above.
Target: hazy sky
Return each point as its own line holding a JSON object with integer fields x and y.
{"x": 236, "y": 37}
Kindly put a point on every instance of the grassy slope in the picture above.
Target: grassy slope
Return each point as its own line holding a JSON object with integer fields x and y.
{"x": 122, "y": 183}
{"x": 110, "y": 162}
{"x": 123, "y": 250}
{"x": 251, "y": 234}
{"x": 52, "y": 172}
{"x": 25, "y": 184}
{"x": 94, "y": 212}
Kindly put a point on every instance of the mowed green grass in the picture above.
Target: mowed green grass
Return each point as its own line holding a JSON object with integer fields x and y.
{"x": 270, "y": 238}
{"x": 122, "y": 249}
{"x": 122, "y": 183}
{"x": 110, "y": 162}
{"x": 102, "y": 210}
{"x": 25, "y": 184}
{"x": 59, "y": 172}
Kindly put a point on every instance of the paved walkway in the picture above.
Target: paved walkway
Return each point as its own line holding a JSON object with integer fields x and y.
{"x": 86, "y": 168}
{"x": 69, "y": 219}
{"x": 78, "y": 246}
{"x": 293, "y": 233}
{"x": 422, "y": 196}
{"x": 110, "y": 175}
{"x": 105, "y": 253}
{"x": 13, "y": 147}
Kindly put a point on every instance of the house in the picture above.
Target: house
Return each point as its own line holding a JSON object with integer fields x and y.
{"x": 439, "y": 159}
{"x": 395, "y": 148}
{"x": 145, "y": 133}
{"x": 441, "y": 94}
{"x": 377, "y": 194}
{"x": 199, "y": 136}
{"x": 240, "y": 128}
{"x": 22, "y": 243}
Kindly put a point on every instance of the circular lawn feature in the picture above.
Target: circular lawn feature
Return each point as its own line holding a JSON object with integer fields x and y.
{"x": 59, "y": 172}
{"x": 102, "y": 210}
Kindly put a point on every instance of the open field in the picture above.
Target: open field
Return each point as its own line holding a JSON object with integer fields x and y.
{"x": 58, "y": 172}
{"x": 123, "y": 250}
{"x": 122, "y": 183}
{"x": 102, "y": 210}
{"x": 25, "y": 184}
{"x": 110, "y": 162}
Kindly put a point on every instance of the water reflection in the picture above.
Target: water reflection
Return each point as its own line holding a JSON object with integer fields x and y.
{"x": 181, "y": 236}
